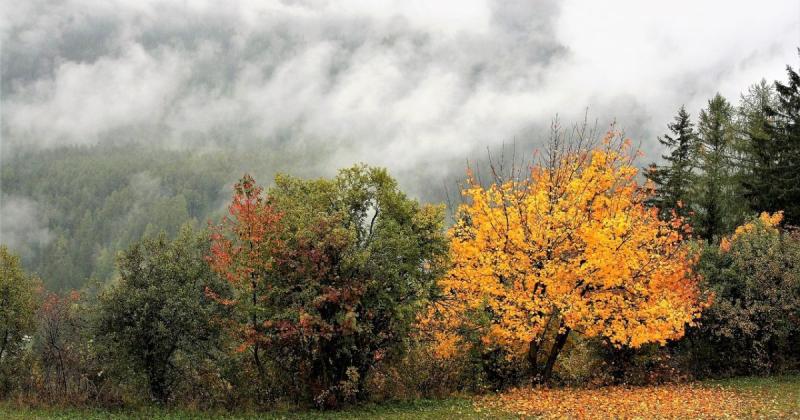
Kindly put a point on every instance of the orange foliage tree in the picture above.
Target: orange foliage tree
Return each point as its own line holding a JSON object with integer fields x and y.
{"x": 244, "y": 246}
{"x": 568, "y": 246}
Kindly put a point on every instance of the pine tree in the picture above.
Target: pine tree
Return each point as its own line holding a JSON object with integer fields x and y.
{"x": 777, "y": 176}
{"x": 673, "y": 179}
{"x": 714, "y": 189}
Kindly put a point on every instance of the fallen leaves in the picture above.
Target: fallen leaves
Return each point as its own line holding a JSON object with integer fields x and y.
{"x": 666, "y": 401}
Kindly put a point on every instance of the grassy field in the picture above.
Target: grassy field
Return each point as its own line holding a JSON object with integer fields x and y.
{"x": 735, "y": 398}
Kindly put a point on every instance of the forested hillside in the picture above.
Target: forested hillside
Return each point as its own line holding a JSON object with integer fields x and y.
{"x": 96, "y": 200}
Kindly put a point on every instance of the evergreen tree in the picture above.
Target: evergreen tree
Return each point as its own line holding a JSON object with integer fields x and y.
{"x": 673, "y": 179}
{"x": 755, "y": 156}
{"x": 714, "y": 189}
{"x": 776, "y": 177}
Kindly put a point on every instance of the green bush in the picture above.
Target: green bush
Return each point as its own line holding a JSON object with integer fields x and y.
{"x": 753, "y": 326}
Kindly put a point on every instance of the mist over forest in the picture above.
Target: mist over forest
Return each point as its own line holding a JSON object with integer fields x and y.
{"x": 120, "y": 119}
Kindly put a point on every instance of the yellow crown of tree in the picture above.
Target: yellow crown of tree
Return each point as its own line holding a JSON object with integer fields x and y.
{"x": 572, "y": 246}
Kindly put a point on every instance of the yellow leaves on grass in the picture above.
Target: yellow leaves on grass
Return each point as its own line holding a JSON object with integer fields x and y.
{"x": 574, "y": 241}
{"x": 666, "y": 401}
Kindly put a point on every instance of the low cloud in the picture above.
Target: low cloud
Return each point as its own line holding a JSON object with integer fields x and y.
{"x": 415, "y": 86}
{"x": 23, "y": 227}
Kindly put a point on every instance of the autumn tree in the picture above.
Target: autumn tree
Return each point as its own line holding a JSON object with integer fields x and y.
{"x": 568, "y": 247}
{"x": 245, "y": 246}
{"x": 340, "y": 267}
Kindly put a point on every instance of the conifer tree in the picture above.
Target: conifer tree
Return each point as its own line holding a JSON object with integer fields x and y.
{"x": 673, "y": 179}
{"x": 753, "y": 148}
{"x": 777, "y": 176}
{"x": 714, "y": 187}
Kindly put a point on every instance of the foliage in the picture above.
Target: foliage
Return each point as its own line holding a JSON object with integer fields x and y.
{"x": 18, "y": 300}
{"x": 572, "y": 247}
{"x": 753, "y": 327}
{"x": 329, "y": 274}
{"x": 157, "y": 319}
{"x": 313, "y": 288}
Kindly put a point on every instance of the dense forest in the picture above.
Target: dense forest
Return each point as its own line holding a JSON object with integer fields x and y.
{"x": 164, "y": 279}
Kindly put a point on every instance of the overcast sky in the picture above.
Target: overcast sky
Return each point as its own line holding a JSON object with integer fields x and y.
{"x": 403, "y": 84}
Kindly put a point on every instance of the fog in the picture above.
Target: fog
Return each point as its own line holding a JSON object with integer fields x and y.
{"x": 416, "y": 86}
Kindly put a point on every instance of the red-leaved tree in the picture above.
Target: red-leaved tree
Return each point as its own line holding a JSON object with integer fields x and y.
{"x": 244, "y": 247}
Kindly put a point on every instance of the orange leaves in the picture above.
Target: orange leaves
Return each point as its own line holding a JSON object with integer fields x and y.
{"x": 575, "y": 241}
{"x": 242, "y": 247}
{"x": 667, "y": 401}
{"x": 241, "y": 242}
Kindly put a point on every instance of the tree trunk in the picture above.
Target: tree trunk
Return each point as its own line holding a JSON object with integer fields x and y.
{"x": 254, "y": 320}
{"x": 533, "y": 353}
{"x": 158, "y": 388}
{"x": 5, "y": 343}
{"x": 558, "y": 344}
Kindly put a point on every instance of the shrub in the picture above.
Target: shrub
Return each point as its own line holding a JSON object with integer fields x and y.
{"x": 753, "y": 327}
{"x": 67, "y": 368}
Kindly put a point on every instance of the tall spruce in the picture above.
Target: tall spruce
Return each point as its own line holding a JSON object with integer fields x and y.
{"x": 755, "y": 156}
{"x": 673, "y": 180}
{"x": 776, "y": 176}
{"x": 714, "y": 188}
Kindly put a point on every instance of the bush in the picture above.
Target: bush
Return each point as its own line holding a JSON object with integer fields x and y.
{"x": 418, "y": 373}
{"x": 67, "y": 367}
{"x": 753, "y": 327}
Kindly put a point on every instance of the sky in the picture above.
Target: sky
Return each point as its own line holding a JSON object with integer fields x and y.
{"x": 415, "y": 86}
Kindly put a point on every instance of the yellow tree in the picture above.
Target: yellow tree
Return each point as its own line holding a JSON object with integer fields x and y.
{"x": 569, "y": 247}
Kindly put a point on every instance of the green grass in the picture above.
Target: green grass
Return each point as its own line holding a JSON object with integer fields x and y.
{"x": 780, "y": 397}
{"x": 458, "y": 408}
{"x": 780, "y": 394}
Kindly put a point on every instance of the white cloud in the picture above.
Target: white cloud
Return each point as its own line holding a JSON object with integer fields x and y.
{"x": 22, "y": 224}
{"x": 413, "y": 85}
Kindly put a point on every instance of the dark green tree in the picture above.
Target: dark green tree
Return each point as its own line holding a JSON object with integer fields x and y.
{"x": 673, "y": 180}
{"x": 775, "y": 181}
{"x": 754, "y": 146}
{"x": 159, "y": 313}
{"x": 714, "y": 189}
